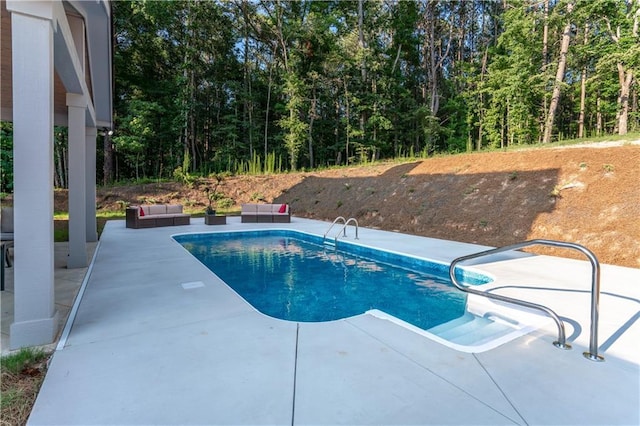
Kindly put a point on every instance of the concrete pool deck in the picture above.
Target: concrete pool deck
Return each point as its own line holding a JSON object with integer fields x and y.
{"x": 144, "y": 349}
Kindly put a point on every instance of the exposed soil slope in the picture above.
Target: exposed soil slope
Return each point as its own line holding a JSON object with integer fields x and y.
{"x": 587, "y": 195}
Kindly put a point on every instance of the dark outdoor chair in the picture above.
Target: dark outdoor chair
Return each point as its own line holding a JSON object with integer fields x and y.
{"x": 6, "y": 233}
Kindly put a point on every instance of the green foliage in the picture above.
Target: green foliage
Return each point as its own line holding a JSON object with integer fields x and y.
{"x": 225, "y": 203}
{"x": 258, "y": 166}
{"x": 608, "y": 168}
{"x": 16, "y": 362}
{"x": 265, "y": 87}
{"x": 185, "y": 177}
{"x": 6, "y": 157}
{"x": 295, "y": 129}
{"x": 256, "y": 196}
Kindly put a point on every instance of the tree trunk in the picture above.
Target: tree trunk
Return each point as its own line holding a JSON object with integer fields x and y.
{"x": 266, "y": 112}
{"x": 312, "y": 117}
{"x": 626, "y": 78}
{"x": 481, "y": 106}
{"x": 634, "y": 107}
{"x": 598, "y": 116}
{"x": 545, "y": 36}
{"x": 562, "y": 63}
{"x": 363, "y": 65}
{"x": 246, "y": 83}
{"x": 583, "y": 89}
{"x": 107, "y": 166}
{"x": 545, "y": 60}
{"x": 347, "y": 118}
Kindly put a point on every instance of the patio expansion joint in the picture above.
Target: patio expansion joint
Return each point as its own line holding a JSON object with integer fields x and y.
{"x": 295, "y": 377}
{"x": 439, "y": 376}
{"x": 506, "y": 397}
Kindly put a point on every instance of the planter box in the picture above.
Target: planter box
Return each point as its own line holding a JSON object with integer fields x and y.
{"x": 210, "y": 219}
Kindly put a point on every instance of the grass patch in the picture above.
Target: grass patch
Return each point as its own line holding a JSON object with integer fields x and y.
{"x": 61, "y": 224}
{"x": 22, "y": 374}
{"x": 17, "y": 362}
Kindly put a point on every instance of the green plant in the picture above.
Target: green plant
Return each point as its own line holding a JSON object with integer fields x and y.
{"x": 209, "y": 209}
{"x": 151, "y": 200}
{"x": 212, "y": 193}
{"x": 22, "y": 375}
{"x": 470, "y": 190}
{"x": 339, "y": 204}
{"x": 61, "y": 235}
{"x": 6, "y": 157}
{"x": 513, "y": 175}
{"x": 582, "y": 165}
{"x": 256, "y": 196}
{"x": 608, "y": 168}
{"x": 18, "y": 361}
{"x": 411, "y": 190}
{"x": 483, "y": 223}
{"x": 225, "y": 203}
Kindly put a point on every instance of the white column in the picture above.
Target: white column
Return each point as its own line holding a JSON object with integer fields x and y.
{"x": 90, "y": 143}
{"x": 77, "y": 107}
{"x": 35, "y": 319}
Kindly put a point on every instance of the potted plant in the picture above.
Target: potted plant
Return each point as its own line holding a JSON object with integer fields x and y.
{"x": 209, "y": 212}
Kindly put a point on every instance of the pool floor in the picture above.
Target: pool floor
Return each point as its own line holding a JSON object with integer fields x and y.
{"x": 144, "y": 349}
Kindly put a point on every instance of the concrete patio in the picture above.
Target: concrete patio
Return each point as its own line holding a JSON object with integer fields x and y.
{"x": 145, "y": 350}
{"x": 67, "y": 284}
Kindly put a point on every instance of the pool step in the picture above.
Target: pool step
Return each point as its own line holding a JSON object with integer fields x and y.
{"x": 471, "y": 329}
{"x": 485, "y": 325}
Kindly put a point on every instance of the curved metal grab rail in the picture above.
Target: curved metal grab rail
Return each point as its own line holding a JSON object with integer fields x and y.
{"x": 595, "y": 290}
{"x": 344, "y": 228}
{"x": 333, "y": 224}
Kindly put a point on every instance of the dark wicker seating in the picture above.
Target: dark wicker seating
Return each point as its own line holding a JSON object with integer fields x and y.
{"x": 151, "y": 216}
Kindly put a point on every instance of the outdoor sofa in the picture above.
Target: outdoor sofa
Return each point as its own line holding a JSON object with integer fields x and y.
{"x": 151, "y": 216}
{"x": 265, "y": 213}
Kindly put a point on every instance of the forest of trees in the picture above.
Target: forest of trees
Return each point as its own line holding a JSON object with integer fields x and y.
{"x": 235, "y": 85}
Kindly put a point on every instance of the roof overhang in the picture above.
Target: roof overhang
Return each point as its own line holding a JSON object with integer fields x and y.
{"x": 83, "y": 64}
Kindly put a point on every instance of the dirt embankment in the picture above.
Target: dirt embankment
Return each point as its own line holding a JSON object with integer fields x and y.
{"x": 586, "y": 195}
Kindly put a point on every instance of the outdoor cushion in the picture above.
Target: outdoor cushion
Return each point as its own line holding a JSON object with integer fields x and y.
{"x": 174, "y": 209}
{"x": 265, "y": 209}
{"x": 157, "y": 209}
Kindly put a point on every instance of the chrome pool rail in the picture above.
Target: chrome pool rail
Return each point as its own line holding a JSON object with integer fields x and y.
{"x": 344, "y": 221}
{"x": 592, "y": 354}
{"x": 342, "y": 230}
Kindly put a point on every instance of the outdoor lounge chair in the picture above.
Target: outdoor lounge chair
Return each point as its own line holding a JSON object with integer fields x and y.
{"x": 6, "y": 233}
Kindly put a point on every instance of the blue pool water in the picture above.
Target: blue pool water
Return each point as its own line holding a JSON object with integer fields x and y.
{"x": 292, "y": 276}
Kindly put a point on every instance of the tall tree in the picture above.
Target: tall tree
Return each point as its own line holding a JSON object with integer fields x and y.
{"x": 557, "y": 86}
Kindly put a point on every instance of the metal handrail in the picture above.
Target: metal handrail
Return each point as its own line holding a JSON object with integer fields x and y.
{"x": 595, "y": 290}
{"x": 332, "y": 225}
{"x": 344, "y": 228}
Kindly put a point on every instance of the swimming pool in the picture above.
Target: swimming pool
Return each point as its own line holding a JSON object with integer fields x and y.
{"x": 291, "y": 275}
